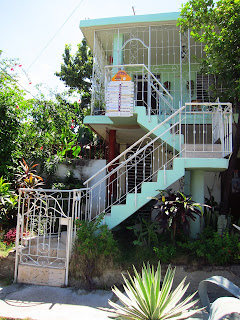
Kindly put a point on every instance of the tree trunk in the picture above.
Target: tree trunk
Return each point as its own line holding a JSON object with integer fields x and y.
{"x": 227, "y": 175}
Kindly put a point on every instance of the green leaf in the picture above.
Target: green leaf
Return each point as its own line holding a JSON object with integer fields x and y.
{"x": 76, "y": 151}
{"x": 145, "y": 299}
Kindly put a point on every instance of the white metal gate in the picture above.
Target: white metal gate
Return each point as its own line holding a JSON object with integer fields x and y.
{"x": 44, "y": 229}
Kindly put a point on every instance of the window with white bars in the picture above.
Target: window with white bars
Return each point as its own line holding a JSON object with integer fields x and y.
{"x": 207, "y": 87}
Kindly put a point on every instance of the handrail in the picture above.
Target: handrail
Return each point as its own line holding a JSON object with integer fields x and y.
{"x": 156, "y": 128}
{"x": 136, "y": 154}
{"x": 208, "y": 104}
{"x": 144, "y": 66}
{"x": 136, "y": 143}
{"x": 164, "y": 99}
{"x": 51, "y": 190}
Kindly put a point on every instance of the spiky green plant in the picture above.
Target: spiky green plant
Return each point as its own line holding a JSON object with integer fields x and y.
{"x": 147, "y": 299}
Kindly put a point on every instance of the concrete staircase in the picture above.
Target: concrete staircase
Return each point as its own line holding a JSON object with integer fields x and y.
{"x": 135, "y": 201}
{"x": 202, "y": 156}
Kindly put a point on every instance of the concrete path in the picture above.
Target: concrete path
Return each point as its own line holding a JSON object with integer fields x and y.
{"x": 43, "y": 303}
{"x": 53, "y": 303}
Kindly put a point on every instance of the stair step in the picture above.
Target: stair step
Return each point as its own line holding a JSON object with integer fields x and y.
{"x": 147, "y": 125}
{"x": 43, "y": 250}
{"x": 33, "y": 240}
{"x": 148, "y": 190}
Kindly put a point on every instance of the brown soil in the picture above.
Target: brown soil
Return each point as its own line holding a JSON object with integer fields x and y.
{"x": 7, "y": 266}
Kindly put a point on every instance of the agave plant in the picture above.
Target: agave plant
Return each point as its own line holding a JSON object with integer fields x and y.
{"x": 147, "y": 299}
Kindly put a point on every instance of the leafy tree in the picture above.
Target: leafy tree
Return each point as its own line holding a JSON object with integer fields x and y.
{"x": 51, "y": 132}
{"x": 38, "y": 130}
{"x": 12, "y": 103}
{"x": 217, "y": 25}
{"x": 76, "y": 71}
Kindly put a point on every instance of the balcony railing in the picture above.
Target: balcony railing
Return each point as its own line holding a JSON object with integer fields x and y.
{"x": 148, "y": 90}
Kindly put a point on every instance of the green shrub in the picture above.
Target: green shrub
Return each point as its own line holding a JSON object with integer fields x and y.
{"x": 8, "y": 202}
{"x": 145, "y": 232}
{"x": 213, "y": 248}
{"x": 175, "y": 210}
{"x": 94, "y": 249}
{"x": 165, "y": 253}
{"x": 5, "y": 248}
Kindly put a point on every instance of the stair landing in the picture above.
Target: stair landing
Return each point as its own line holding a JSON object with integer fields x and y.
{"x": 202, "y": 151}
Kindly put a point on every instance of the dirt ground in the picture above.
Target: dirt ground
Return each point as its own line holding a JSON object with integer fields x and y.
{"x": 7, "y": 267}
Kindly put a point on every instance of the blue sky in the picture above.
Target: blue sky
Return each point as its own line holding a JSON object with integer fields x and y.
{"x": 26, "y": 26}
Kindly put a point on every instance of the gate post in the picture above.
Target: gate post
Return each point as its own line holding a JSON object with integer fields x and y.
{"x": 17, "y": 238}
{"x": 68, "y": 248}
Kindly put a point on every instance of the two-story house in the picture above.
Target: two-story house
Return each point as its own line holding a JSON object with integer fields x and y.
{"x": 155, "y": 109}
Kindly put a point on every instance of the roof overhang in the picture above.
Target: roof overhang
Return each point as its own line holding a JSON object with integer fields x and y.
{"x": 89, "y": 26}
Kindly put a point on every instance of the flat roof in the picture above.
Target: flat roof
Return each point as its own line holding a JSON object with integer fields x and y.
{"x": 156, "y": 17}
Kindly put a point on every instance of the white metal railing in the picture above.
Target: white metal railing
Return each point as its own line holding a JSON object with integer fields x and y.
{"x": 140, "y": 164}
{"x": 137, "y": 143}
{"x": 196, "y": 130}
{"x": 208, "y": 128}
{"x": 155, "y": 97}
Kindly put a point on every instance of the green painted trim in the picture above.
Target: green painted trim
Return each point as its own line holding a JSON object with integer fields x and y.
{"x": 168, "y": 16}
{"x": 207, "y": 164}
{"x": 132, "y": 120}
{"x": 148, "y": 126}
{"x": 97, "y": 120}
{"x": 117, "y": 53}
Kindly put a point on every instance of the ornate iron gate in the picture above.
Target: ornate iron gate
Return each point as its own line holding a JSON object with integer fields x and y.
{"x": 44, "y": 229}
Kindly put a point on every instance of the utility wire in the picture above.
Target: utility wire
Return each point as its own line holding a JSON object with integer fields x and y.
{"x": 19, "y": 84}
{"x": 55, "y": 35}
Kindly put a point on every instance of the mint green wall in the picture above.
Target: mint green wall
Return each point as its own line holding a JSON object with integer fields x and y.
{"x": 167, "y": 74}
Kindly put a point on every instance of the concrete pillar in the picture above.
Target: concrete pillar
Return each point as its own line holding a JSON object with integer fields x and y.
{"x": 112, "y": 143}
{"x": 197, "y": 192}
{"x": 187, "y": 190}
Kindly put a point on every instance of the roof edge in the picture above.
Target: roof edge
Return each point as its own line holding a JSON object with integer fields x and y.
{"x": 167, "y": 16}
